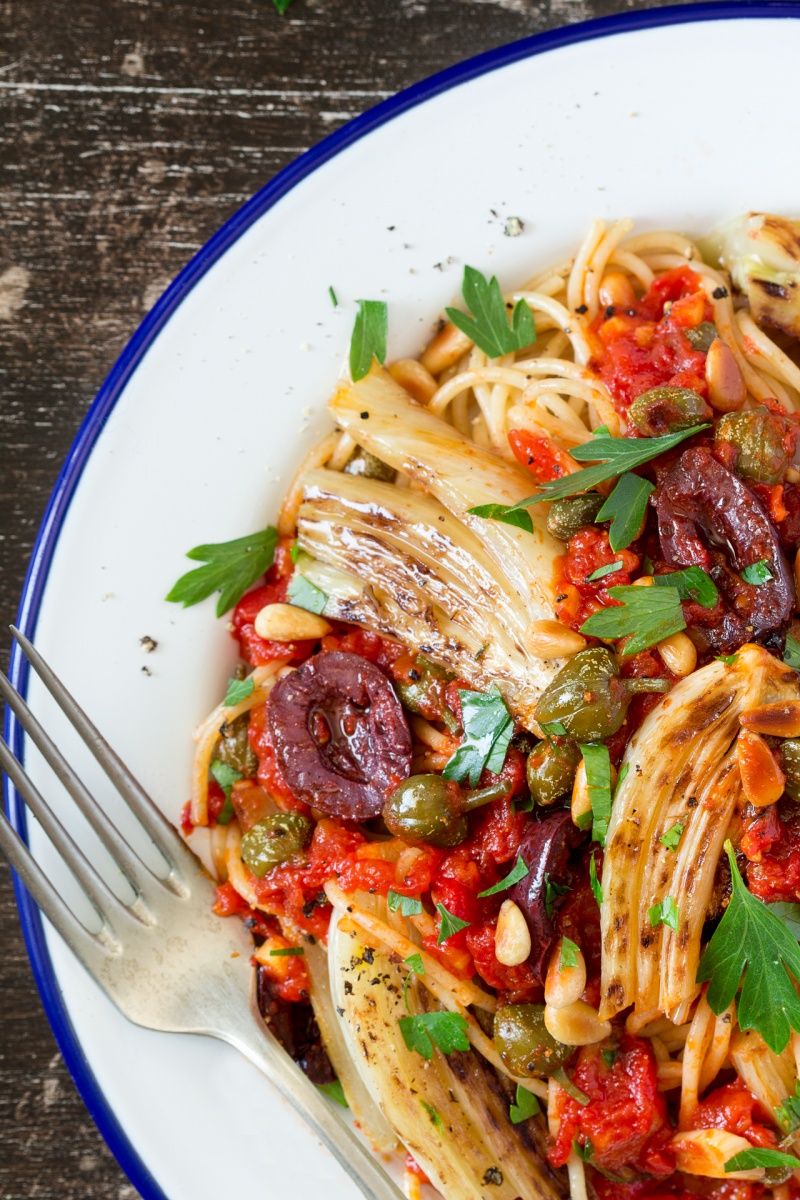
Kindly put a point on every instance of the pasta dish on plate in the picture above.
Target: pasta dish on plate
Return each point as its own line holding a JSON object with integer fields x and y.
{"x": 507, "y": 785}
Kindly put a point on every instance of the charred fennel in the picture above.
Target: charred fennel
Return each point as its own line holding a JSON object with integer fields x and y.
{"x": 681, "y": 770}
{"x": 402, "y": 564}
{"x": 451, "y": 1112}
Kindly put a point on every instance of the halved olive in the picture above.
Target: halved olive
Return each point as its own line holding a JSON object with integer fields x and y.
{"x": 665, "y": 410}
{"x": 551, "y": 770}
{"x": 233, "y": 747}
{"x": 573, "y": 513}
{"x": 524, "y": 1043}
{"x": 789, "y": 755}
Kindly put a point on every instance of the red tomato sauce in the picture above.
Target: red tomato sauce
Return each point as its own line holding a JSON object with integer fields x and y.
{"x": 646, "y": 346}
{"x": 733, "y": 1108}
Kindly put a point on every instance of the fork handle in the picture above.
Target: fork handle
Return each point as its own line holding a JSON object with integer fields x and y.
{"x": 260, "y": 1047}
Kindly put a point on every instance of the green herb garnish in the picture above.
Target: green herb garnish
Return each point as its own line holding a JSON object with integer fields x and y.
{"x": 647, "y": 615}
{"x": 302, "y": 593}
{"x": 432, "y": 1113}
{"x": 752, "y": 948}
{"x": 597, "y": 763}
{"x": 693, "y": 583}
{"x": 597, "y": 890}
{"x": 625, "y": 508}
{"x": 231, "y": 568}
{"x": 287, "y": 952}
{"x": 601, "y": 572}
{"x": 758, "y": 573}
{"x": 238, "y": 690}
{"x": 447, "y": 1030}
{"x": 334, "y": 300}
{"x": 489, "y": 326}
{"x": 671, "y": 839}
{"x": 370, "y": 333}
{"x": 569, "y": 954}
{"x": 226, "y": 777}
{"x": 759, "y": 1156}
{"x": 409, "y": 906}
{"x": 488, "y": 729}
{"x": 791, "y": 653}
{"x": 450, "y": 924}
{"x": 334, "y": 1089}
{"x": 665, "y": 913}
{"x": 552, "y": 891}
{"x": 788, "y": 1113}
{"x": 518, "y": 871}
{"x": 500, "y": 512}
{"x": 527, "y": 1105}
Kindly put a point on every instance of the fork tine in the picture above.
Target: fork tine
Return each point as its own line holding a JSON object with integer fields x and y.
{"x": 125, "y": 857}
{"x": 162, "y": 833}
{"x": 102, "y": 898}
{"x": 90, "y": 949}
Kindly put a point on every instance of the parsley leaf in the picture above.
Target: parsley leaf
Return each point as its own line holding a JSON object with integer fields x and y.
{"x": 692, "y": 583}
{"x": 488, "y": 729}
{"x": 409, "y": 905}
{"x": 417, "y": 967}
{"x": 527, "y": 1105}
{"x": 671, "y": 839}
{"x": 432, "y": 1113}
{"x": 665, "y": 913}
{"x": 564, "y": 1081}
{"x": 647, "y": 615}
{"x": 499, "y": 512}
{"x": 752, "y": 941}
{"x": 302, "y": 593}
{"x": 447, "y": 1030}
{"x": 625, "y": 509}
{"x": 597, "y": 763}
{"x": 569, "y": 954}
{"x": 759, "y": 1156}
{"x": 489, "y": 327}
{"x": 518, "y": 871}
{"x": 728, "y": 659}
{"x": 597, "y": 890}
{"x": 331, "y": 292}
{"x": 789, "y": 913}
{"x": 601, "y": 572}
{"x": 226, "y": 777}
{"x": 791, "y": 653}
{"x": 286, "y": 952}
{"x": 585, "y": 1151}
{"x": 612, "y": 456}
{"x": 369, "y": 337}
{"x": 231, "y": 568}
{"x": 238, "y": 690}
{"x": 450, "y": 924}
{"x": 757, "y": 573}
{"x": 334, "y": 1089}
{"x": 551, "y": 892}
{"x": 610, "y": 1055}
{"x": 788, "y": 1113}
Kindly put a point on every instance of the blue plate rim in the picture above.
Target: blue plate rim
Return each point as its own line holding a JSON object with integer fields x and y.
{"x": 124, "y": 367}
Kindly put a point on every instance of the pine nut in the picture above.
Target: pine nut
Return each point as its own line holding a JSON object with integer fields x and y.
{"x": 779, "y": 719}
{"x": 643, "y": 581}
{"x": 444, "y": 349}
{"x": 705, "y": 1152}
{"x": 678, "y": 654}
{"x": 726, "y": 386}
{"x": 792, "y": 475}
{"x": 564, "y": 985}
{"x": 762, "y": 779}
{"x": 285, "y": 623}
{"x": 551, "y": 639}
{"x": 576, "y": 1025}
{"x": 616, "y": 291}
{"x": 414, "y": 378}
{"x": 581, "y": 804}
{"x": 512, "y": 939}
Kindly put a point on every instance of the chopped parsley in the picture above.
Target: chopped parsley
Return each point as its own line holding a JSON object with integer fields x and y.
{"x": 231, "y": 568}
{"x": 409, "y": 906}
{"x": 370, "y": 333}
{"x": 594, "y": 882}
{"x": 334, "y": 1089}
{"x": 238, "y": 690}
{"x": 671, "y": 839}
{"x": 501, "y": 512}
{"x": 597, "y": 763}
{"x": 552, "y": 891}
{"x": 489, "y": 326}
{"x": 527, "y": 1105}
{"x": 302, "y": 593}
{"x": 625, "y": 508}
{"x": 758, "y": 573}
{"x": 447, "y": 1030}
{"x": 226, "y": 777}
{"x": 517, "y": 872}
{"x": 569, "y": 954}
{"x": 665, "y": 913}
{"x": 646, "y": 615}
{"x": 451, "y": 924}
{"x": 488, "y": 729}
{"x": 601, "y": 572}
{"x": 791, "y": 653}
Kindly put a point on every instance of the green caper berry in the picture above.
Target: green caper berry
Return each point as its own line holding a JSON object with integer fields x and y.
{"x": 665, "y": 410}
{"x": 233, "y": 748}
{"x": 573, "y": 513}
{"x": 587, "y": 697}
{"x": 275, "y": 840}
{"x": 524, "y": 1043}
{"x": 426, "y": 694}
{"x": 361, "y": 462}
{"x": 551, "y": 770}
{"x": 790, "y": 764}
{"x": 426, "y": 808}
{"x": 758, "y": 436}
{"x": 701, "y": 337}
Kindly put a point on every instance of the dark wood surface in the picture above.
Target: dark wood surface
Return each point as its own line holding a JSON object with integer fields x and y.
{"x": 131, "y": 129}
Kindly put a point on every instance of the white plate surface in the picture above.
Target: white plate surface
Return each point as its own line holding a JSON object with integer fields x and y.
{"x": 676, "y": 126}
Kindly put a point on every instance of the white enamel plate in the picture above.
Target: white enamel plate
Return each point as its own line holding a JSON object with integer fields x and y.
{"x": 675, "y": 117}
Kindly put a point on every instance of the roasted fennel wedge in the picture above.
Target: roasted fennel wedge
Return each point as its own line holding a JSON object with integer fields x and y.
{"x": 381, "y": 417}
{"x": 400, "y": 563}
{"x": 452, "y": 1112}
{"x": 682, "y": 768}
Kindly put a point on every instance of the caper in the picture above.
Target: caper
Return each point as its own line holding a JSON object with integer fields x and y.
{"x": 551, "y": 770}
{"x": 588, "y": 698}
{"x": 523, "y": 1042}
{"x": 361, "y": 462}
{"x": 275, "y": 840}
{"x": 567, "y": 516}
{"x": 790, "y": 763}
{"x": 428, "y": 808}
{"x": 426, "y": 694}
{"x": 759, "y": 438}
{"x": 665, "y": 410}
{"x": 233, "y": 747}
{"x": 701, "y": 337}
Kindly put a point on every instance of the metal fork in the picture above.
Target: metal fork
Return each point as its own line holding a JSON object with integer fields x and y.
{"x": 166, "y": 961}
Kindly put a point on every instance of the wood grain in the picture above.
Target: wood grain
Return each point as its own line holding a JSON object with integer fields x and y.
{"x": 131, "y": 130}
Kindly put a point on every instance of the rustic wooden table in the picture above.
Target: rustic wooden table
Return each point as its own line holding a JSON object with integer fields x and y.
{"x": 131, "y": 130}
